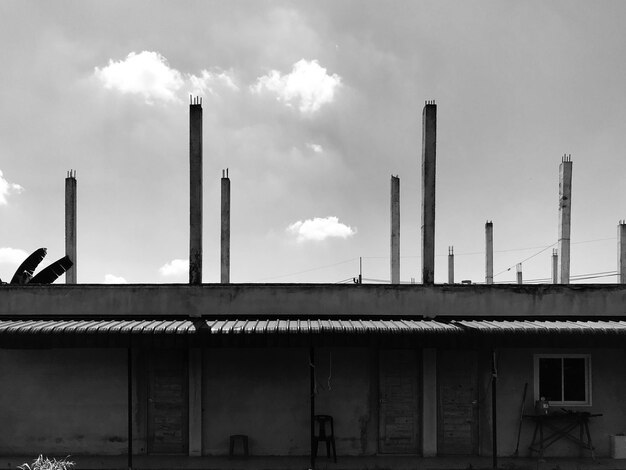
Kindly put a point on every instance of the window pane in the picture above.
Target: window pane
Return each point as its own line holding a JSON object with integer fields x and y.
{"x": 574, "y": 378}
{"x": 550, "y": 378}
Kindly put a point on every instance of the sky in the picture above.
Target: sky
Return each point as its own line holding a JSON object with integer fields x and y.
{"x": 312, "y": 106}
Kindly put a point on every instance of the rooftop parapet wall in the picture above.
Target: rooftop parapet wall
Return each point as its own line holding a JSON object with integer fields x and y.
{"x": 312, "y": 300}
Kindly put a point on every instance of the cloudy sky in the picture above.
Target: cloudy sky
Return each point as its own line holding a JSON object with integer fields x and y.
{"x": 312, "y": 106}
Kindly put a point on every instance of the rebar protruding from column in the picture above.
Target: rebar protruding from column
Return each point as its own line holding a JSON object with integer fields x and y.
{"x": 450, "y": 265}
{"x": 70, "y": 226}
{"x": 429, "y": 153}
{"x": 395, "y": 230}
{"x": 489, "y": 252}
{"x": 565, "y": 216}
{"x": 621, "y": 252}
{"x": 225, "y": 232}
{"x": 195, "y": 191}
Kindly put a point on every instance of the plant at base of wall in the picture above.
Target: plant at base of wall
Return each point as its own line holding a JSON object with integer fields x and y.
{"x": 42, "y": 463}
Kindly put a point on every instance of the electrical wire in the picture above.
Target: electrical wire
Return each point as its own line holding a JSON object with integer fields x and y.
{"x": 307, "y": 270}
{"x": 524, "y": 260}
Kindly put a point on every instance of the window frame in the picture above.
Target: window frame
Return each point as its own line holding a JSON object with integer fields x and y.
{"x": 588, "y": 387}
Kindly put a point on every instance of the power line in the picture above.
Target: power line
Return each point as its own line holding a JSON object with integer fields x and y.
{"x": 524, "y": 260}
{"x": 307, "y": 270}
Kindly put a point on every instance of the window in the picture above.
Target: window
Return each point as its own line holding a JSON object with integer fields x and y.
{"x": 563, "y": 379}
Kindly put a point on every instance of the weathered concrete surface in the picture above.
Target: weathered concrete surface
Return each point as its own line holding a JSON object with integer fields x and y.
{"x": 70, "y": 228}
{"x": 263, "y": 393}
{"x": 63, "y": 401}
{"x": 195, "y": 194}
{"x": 225, "y": 233}
{"x": 395, "y": 230}
{"x": 195, "y": 402}
{"x": 347, "y": 390}
{"x": 565, "y": 218}
{"x": 429, "y": 397}
{"x": 319, "y": 300}
{"x": 378, "y": 462}
{"x": 489, "y": 252}
{"x": 621, "y": 253}
{"x": 429, "y": 152}
{"x": 608, "y": 380}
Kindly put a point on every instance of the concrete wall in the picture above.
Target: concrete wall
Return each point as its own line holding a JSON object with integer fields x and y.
{"x": 347, "y": 390}
{"x": 515, "y": 367}
{"x": 263, "y": 393}
{"x": 318, "y": 299}
{"x": 63, "y": 401}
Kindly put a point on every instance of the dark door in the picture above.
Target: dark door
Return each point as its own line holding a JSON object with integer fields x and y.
{"x": 458, "y": 403}
{"x": 167, "y": 402}
{"x": 399, "y": 423}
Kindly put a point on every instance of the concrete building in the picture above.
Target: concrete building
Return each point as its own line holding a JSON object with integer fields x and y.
{"x": 403, "y": 369}
{"x": 180, "y": 376}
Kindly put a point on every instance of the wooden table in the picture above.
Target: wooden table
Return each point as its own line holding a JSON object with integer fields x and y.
{"x": 561, "y": 425}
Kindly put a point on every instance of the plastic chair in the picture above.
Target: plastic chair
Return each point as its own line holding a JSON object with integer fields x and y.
{"x": 323, "y": 435}
{"x": 238, "y": 438}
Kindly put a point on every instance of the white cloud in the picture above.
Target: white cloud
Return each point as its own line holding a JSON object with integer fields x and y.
{"x": 307, "y": 86}
{"x": 176, "y": 267}
{"x": 317, "y": 148}
{"x": 12, "y": 255}
{"x": 7, "y": 188}
{"x": 319, "y": 229}
{"x": 207, "y": 81}
{"x": 147, "y": 74}
{"x": 113, "y": 279}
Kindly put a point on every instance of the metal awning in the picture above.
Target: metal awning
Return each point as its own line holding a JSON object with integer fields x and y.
{"x": 271, "y": 326}
{"x": 209, "y": 326}
{"x": 534, "y": 327}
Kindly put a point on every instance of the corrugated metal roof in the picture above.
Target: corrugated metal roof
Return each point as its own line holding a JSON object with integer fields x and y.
{"x": 544, "y": 326}
{"x": 319, "y": 326}
{"x": 229, "y": 326}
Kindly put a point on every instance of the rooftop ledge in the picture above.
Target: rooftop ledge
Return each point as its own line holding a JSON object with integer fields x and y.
{"x": 320, "y": 300}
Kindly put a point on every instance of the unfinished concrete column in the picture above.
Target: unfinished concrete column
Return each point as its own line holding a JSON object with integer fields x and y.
{"x": 519, "y": 273}
{"x": 429, "y": 396}
{"x": 565, "y": 217}
{"x": 429, "y": 152}
{"x": 450, "y": 265}
{"x": 225, "y": 233}
{"x": 195, "y": 191}
{"x": 555, "y": 266}
{"x": 395, "y": 230}
{"x": 621, "y": 252}
{"x": 195, "y": 402}
{"x": 70, "y": 225}
{"x": 489, "y": 252}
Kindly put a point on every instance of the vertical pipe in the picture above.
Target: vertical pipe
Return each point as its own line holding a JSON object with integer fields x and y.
{"x": 312, "y": 402}
{"x": 450, "y": 265}
{"x": 565, "y": 214}
{"x": 429, "y": 152}
{"x": 195, "y": 191}
{"x": 621, "y": 252}
{"x": 519, "y": 273}
{"x": 395, "y": 230}
{"x": 555, "y": 266}
{"x": 489, "y": 252}
{"x": 70, "y": 225}
{"x": 494, "y": 408}
{"x": 130, "y": 405}
{"x": 225, "y": 233}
